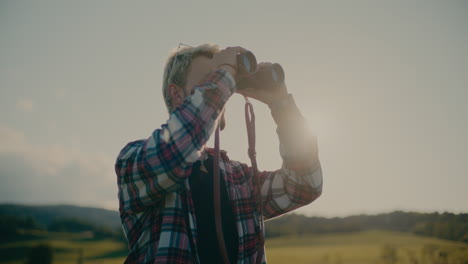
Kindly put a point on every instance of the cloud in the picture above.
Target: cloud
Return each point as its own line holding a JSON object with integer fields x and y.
{"x": 25, "y": 105}
{"x": 54, "y": 173}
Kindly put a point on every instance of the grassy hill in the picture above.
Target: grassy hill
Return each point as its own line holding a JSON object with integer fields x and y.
{"x": 45, "y": 215}
{"x": 346, "y": 248}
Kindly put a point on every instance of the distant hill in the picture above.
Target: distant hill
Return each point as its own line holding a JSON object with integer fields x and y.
{"x": 45, "y": 215}
{"x": 446, "y": 226}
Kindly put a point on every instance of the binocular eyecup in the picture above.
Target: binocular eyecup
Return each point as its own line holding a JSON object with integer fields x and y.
{"x": 250, "y": 77}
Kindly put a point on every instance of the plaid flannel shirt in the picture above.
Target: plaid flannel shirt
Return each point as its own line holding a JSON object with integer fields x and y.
{"x": 155, "y": 204}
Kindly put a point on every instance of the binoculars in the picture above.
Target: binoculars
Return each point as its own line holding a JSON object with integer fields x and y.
{"x": 249, "y": 77}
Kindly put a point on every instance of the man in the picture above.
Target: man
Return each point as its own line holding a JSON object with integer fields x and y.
{"x": 165, "y": 181}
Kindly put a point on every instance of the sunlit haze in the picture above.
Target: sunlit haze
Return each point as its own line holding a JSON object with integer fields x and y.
{"x": 382, "y": 84}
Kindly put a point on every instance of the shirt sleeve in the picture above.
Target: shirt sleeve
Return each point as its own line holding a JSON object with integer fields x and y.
{"x": 299, "y": 181}
{"x": 148, "y": 169}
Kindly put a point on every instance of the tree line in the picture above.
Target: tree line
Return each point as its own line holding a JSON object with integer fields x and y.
{"x": 15, "y": 228}
{"x": 104, "y": 223}
{"x": 441, "y": 225}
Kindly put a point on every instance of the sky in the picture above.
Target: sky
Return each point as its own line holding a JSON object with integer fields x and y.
{"x": 383, "y": 84}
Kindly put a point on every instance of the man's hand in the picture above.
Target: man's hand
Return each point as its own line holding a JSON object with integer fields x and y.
{"x": 227, "y": 59}
{"x": 267, "y": 95}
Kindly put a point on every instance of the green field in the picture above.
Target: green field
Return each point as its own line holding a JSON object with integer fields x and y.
{"x": 67, "y": 248}
{"x": 361, "y": 248}
{"x": 365, "y": 247}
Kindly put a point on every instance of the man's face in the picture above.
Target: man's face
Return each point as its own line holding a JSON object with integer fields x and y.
{"x": 201, "y": 66}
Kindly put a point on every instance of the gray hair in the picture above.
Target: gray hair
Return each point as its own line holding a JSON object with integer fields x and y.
{"x": 178, "y": 65}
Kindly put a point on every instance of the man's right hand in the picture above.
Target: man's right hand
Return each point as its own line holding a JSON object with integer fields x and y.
{"x": 227, "y": 59}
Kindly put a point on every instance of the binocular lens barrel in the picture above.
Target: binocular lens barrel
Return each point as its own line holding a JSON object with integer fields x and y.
{"x": 277, "y": 73}
{"x": 251, "y": 77}
{"x": 246, "y": 62}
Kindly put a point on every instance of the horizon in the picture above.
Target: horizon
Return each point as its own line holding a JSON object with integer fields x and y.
{"x": 290, "y": 213}
{"x": 382, "y": 85}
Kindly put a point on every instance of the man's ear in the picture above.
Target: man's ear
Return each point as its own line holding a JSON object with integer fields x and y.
{"x": 177, "y": 95}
